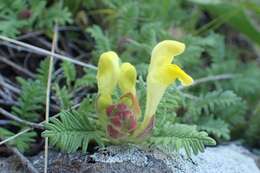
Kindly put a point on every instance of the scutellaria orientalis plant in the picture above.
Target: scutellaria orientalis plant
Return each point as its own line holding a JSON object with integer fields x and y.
{"x": 120, "y": 119}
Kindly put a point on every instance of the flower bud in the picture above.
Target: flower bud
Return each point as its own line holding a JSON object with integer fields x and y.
{"x": 122, "y": 121}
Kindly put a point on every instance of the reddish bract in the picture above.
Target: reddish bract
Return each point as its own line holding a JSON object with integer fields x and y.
{"x": 122, "y": 120}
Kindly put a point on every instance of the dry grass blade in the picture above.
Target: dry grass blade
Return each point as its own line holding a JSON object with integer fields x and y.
{"x": 48, "y": 90}
{"x": 19, "y": 68}
{"x": 13, "y": 117}
{"x": 8, "y": 86}
{"x": 46, "y": 52}
{"x": 28, "y": 129}
{"x": 15, "y": 136}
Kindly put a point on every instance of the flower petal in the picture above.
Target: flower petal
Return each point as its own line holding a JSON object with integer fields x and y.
{"x": 167, "y": 74}
{"x": 108, "y": 72}
{"x": 107, "y": 78}
{"x": 127, "y": 78}
{"x": 164, "y": 52}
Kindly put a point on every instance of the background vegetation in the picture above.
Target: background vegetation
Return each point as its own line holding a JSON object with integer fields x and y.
{"x": 222, "y": 55}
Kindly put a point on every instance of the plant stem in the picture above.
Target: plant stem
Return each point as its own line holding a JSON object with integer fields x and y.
{"x": 13, "y": 117}
{"x": 48, "y": 89}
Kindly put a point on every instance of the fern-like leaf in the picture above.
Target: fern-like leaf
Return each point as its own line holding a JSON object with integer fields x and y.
{"x": 217, "y": 127}
{"x": 179, "y": 136}
{"x": 64, "y": 97}
{"x": 127, "y": 21}
{"x": 69, "y": 72}
{"x": 42, "y": 71}
{"x": 72, "y": 131}
{"x": 56, "y": 13}
{"x": 209, "y": 102}
{"x": 21, "y": 142}
{"x": 31, "y": 100}
{"x": 89, "y": 79}
{"x": 32, "y": 97}
{"x": 102, "y": 43}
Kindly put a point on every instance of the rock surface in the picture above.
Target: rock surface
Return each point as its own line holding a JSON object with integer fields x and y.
{"x": 222, "y": 159}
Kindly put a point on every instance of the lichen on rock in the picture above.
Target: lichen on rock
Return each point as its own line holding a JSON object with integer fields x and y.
{"x": 133, "y": 159}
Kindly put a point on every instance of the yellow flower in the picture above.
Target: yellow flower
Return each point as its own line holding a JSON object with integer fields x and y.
{"x": 127, "y": 79}
{"x": 109, "y": 74}
{"x": 160, "y": 75}
{"x": 107, "y": 78}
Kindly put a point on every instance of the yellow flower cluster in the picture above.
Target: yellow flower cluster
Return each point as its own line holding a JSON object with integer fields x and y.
{"x": 161, "y": 74}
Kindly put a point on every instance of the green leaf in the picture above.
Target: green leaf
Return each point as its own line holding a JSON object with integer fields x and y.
{"x": 209, "y": 102}
{"x": 69, "y": 72}
{"x": 235, "y": 15}
{"x": 217, "y": 127}
{"x": 73, "y": 131}
{"x": 42, "y": 71}
{"x": 64, "y": 96}
{"x": 54, "y": 14}
{"x": 253, "y": 131}
{"x": 88, "y": 80}
{"x": 178, "y": 136}
{"x": 22, "y": 142}
{"x": 102, "y": 42}
{"x": 31, "y": 99}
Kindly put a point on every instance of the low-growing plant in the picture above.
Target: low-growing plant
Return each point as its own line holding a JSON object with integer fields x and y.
{"x": 30, "y": 103}
{"x": 118, "y": 117}
{"x": 223, "y": 100}
{"x": 19, "y": 15}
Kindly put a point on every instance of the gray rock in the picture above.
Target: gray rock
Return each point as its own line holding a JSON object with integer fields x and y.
{"x": 225, "y": 159}
{"x": 130, "y": 159}
{"x": 222, "y": 159}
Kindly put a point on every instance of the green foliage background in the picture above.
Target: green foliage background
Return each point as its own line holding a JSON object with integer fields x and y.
{"x": 226, "y": 106}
